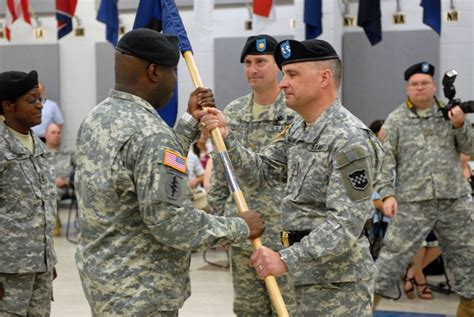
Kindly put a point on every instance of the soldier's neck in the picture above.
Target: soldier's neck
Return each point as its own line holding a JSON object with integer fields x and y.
{"x": 266, "y": 97}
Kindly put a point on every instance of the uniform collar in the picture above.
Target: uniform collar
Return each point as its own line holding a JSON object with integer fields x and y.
{"x": 310, "y": 133}
{"x": 433, "y": 112}
{"x": 15, "y": 146}
{"x": 135, "y": 99}
{"x": 272, "y": 114}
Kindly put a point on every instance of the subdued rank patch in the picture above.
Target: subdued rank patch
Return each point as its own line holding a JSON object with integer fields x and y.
{"x": 359, "y": 179}
{"x": 172, "y": 188}
{"x": 175, "y": 160}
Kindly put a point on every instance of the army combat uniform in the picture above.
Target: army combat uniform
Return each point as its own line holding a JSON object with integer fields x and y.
{"x": 137, "y": 228}
{"x": 27, "y": 216}
{"x": 328, "y": 167}
{"x": 62, "y": 160}
{"x": 431, "y": 193}
{"x": 250, "y": 294}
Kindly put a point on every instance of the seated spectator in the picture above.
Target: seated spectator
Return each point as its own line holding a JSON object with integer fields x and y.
{"x": 201, "y": 148}
{"x": 199, "y": 172}
{"x": 51, "y": 114}
{"x": 195, "y": 169}
{"x": 63, "y": 164}
{"x": 414, "y": 276}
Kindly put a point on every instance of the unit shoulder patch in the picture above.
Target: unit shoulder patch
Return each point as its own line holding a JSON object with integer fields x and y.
{"x": 359, "y": 179}
{"x": 172, "y": 187}
{"x": 354, "y": 170}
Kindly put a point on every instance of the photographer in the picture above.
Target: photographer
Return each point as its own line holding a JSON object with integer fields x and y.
{"x": 430, "y": 191}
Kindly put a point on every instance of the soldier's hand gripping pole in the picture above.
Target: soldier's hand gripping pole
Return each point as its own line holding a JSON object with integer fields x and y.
{"x": 237, "y": 194}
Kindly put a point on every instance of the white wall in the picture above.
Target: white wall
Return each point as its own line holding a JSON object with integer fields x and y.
{"x": 78, "y": 60}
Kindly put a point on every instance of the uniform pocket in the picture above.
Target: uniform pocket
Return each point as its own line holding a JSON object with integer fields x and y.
{"x": 309, "y": 177}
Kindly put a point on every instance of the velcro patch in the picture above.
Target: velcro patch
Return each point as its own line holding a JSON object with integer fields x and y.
{"x": 175, "y": 160}
{"x": 354, "y": 168}
{"x": 172, "y": 187}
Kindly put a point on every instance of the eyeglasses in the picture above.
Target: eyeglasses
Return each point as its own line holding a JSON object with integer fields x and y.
{"x": 35, "y": 100}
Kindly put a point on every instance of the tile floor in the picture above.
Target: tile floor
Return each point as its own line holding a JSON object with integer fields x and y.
{"x": 212, "y": 290}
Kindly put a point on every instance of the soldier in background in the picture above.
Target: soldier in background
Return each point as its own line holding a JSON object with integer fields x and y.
{"x": 328, "y": 160}
{"x": 137, "y": 226}
{"x": 256, "y": 118}
{"x": 430, "y": 191}
{"x": 27, "y": 201}
{"x": 63, "y": 166}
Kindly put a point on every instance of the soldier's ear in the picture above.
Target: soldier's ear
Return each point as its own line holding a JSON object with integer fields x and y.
{"x": 8, "y": 107}
{"x": 154, "y": 72}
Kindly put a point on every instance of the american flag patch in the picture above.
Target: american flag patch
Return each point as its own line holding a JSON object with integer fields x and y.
{"x": 175, "y": 160}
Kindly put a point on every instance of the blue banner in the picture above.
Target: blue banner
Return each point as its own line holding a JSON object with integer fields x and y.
{"x": 432, "y": 14}
{"x": 370, "y": 19}
{"x": 108, "y": 14}
{"x": 313, "y": 17}
{"x": 163, "y": 16}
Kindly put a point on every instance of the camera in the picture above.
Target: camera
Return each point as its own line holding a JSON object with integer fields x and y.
{"x": 450, "y": 93}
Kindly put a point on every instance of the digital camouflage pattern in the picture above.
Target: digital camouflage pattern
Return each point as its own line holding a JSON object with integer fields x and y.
{"x": 424, "y": 152}
{"x": 316, "y": 161}
{"x": 63, "y": 164}
{"x": 250, "y": 295}
{"x": 27, "y": 216}
{"x": 137, "y": 226}
{"x": 335, "y": 299}
{"x": 432, "y": 194}
{"x": 26, "y": 294}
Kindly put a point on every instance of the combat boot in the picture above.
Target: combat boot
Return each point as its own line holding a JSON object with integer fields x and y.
{"x": 465, "y": 307}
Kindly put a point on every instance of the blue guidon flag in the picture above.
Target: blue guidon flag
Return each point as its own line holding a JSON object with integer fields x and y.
{"x": 163, "y": 16}
{"x": 261, "y": 45}
{"x": 285, "y": 49}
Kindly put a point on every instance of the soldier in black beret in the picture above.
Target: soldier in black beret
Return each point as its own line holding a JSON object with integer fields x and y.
{"x": 131, "y": 183}
{"x": 259, "y": 116}
{"x": 431, "y": 193}
{"x": 27, "y": 202}
{"x": 419, "y": 68}
{"x": 328, "y": 159}
{"x": 261, "y": 44}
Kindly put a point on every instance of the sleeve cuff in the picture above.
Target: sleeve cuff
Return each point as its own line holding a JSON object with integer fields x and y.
{"x": 242, "y": 228}
{"x": 286, "y": 255}
{"x": 187, "y": 126}
{"x": 190, "y": 119}
{"x": 385, "y": 192}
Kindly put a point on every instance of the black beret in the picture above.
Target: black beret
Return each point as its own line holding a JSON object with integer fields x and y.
{"x": 258, "y": 45}
{"x": 420, "y": 68}
{"x": 15, "y": 84}
{"x": 291, "y": 51}
{"x": 151, "y": 46}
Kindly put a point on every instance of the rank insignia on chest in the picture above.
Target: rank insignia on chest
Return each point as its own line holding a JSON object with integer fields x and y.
{"x": 175, "y": 160}
{"x": 359, "y": 179}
